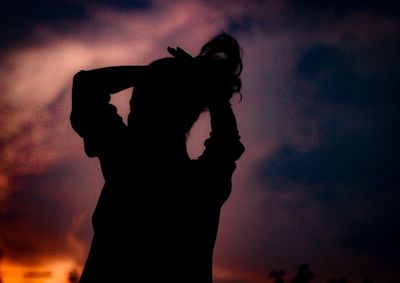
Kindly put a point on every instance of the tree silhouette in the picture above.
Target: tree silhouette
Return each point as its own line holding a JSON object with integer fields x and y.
{"x": 277, "y": 275}
{"x": 303, "y": 275}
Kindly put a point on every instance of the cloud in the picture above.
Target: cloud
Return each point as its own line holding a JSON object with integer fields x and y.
{"x": 19, "y": 17}
{"x": 38, "y": 219}
{"x": 352, "y": 109}
{"x": 37, "y": 274}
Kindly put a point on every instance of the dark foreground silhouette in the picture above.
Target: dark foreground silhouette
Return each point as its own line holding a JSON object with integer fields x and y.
{"x": 157, "y": 216}
{"x": 305, "y": 275}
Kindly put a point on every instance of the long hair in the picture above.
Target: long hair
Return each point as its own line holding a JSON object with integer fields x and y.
{"x": 225, "y": 54}
{"x": 222, "y": 52}
{"x": 225, "y": 49}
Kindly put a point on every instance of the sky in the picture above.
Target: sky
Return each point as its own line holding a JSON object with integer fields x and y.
{"x": 318, "y": 182}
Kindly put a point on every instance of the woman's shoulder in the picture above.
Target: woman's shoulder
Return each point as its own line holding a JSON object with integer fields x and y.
{"x": 178, "y": 64}
{"x": 167, "y": 61}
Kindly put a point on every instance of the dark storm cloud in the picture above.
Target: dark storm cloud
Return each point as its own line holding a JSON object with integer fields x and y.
{"x": 315, "y": 11}
{"x": 123, "y": 4}
{"x": 376, "y": 231}
{"x": 18, "y": 17}
{"x": 356, "y": 117}
{"x": 352, "y": 74}
{"x": 332, "y": 70}
{"x": 350, "y": 98}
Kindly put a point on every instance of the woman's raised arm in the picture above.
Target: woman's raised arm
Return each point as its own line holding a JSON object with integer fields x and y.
{"x": 224, "y": 143}
{"x": 111, "y": 80}
{"x": 92, "y": 116}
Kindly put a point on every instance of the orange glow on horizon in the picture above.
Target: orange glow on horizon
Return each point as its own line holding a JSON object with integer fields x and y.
{"x": 58, "y": 272}
{"x": 53, "y": 272}
{"x": 235, "y": 275}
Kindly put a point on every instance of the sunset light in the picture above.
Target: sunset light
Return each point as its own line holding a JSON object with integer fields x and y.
{"x": 54, "y": 272}
{"x": 317, "y": 184}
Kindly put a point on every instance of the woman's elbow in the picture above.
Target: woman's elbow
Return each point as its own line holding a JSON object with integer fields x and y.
{"x": 79, "y": 88}
{"x": 79, "y": 78}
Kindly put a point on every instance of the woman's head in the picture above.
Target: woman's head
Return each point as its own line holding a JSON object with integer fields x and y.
{"x": 225, "y": 51}
{"x": 222, "y": 56}
{"x": 180, "y": 88}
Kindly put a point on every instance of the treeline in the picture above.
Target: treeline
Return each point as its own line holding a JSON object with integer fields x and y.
{"x": 305, "y": 275}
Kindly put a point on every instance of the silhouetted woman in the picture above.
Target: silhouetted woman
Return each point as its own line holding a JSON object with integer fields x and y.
{"x": 157, "y": 216}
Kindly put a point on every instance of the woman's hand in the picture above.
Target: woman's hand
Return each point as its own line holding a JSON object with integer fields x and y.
{"x": 179, "y": 53}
